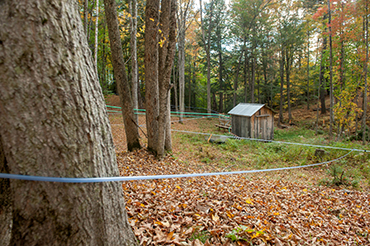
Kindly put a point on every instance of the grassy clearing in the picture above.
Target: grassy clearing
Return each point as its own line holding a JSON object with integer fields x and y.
{"x": 351, "y": 172}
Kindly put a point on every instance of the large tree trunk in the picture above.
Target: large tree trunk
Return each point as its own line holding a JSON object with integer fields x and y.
{"x": 151, "y": 72}
{"x": 6, "y": 220}
{"x": 134, "y": 68}
{"x": 131, "y": 129}
{"x": 166, "y": 56}
{"x": 54, "y": 123}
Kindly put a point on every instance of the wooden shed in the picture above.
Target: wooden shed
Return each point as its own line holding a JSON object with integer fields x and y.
{"x": 252, "y": 120}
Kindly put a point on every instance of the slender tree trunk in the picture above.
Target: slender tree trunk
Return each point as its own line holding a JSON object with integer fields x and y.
{"x": 181, "y": 66}
{"x": 208, "y": 78}
{"x": 207, "y": 45}
{"x": 331, "y": 76}
{"x": 175, "y": 89}
{"x": 253, "y": 78}
{"x": 134, "y": 69}
{"x": 266, "y": 98}
{"x": 282, "y": 63}
{"x": 96, "y": 36}
{"x": 308, "y": 70}
{"x": 237, "y": 76}
{"x": 61, "y": 129}
{"x": 322, "y": 79}
{"x": 86, "y": 9}
{"x": 190, "y": 81}
{"x": 220, "y": 69}
{"x": 287, "y": 68}
{"x": 365, "y": 73}
{"x": 104, "y": 60}
{"x": 194, "y": 81}
{"x": 246, "y": 77}
{"x": 131, "y": 129}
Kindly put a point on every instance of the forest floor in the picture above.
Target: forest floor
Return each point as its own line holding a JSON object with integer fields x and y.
{"x": 324, "y": 205}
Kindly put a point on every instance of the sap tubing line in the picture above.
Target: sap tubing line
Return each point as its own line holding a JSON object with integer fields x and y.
{"x": 151, "y": 177}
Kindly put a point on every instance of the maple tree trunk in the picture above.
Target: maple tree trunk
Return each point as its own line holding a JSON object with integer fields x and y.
{"x": 166, "y": 56}
{"x": 6, "y": 220}
{"x": 131, "y": 129}
{"x": 151, "y": 72}
{"x": 134, "y": 68}
{"x": 54, "y": 123}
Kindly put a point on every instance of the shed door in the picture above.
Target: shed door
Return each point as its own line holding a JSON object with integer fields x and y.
{"x": 262, "y": 126}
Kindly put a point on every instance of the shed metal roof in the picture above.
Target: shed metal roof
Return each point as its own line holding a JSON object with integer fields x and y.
{"x": 246, "y": 109}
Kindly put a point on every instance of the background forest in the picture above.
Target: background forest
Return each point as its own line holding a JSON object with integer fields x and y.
{"x": 282, "y": 53}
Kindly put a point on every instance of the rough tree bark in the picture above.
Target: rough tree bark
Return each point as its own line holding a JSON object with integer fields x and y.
{"x": 131, "y": 129}
{"x": 54, "y": 123}
{"x": 151, "y": 72}
{"x": 166, "y": 57}
{"x": 159, "y": 54}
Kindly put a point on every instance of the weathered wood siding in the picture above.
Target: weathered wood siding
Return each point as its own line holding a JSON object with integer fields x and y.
{"x": 260, "y": 125}
{"x": 240, "y": 125}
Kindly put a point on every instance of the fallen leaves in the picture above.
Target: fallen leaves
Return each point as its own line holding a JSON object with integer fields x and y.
{"x": 237, "y": 210}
